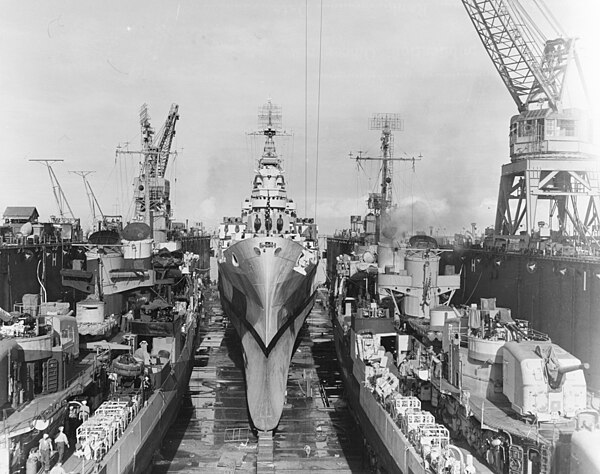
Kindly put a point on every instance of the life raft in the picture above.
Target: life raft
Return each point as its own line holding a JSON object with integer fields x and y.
{"x": 128, "y": 366}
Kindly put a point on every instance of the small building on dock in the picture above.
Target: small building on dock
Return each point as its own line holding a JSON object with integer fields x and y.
{"x": 15, "y": 216}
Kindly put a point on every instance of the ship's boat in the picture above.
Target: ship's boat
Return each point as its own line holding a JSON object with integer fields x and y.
{"x": 267, "y": 265}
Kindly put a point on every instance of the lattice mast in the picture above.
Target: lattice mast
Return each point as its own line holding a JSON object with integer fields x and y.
{"x": 269, "y": 123}
{"x": 379, "y": 202}
{"x": 386, "y": 123}
{"x": 553, "y": 159}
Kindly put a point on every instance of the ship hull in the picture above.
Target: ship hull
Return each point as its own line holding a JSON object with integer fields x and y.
{"x": 390, "y": 450}
{"x": 134, "y": 451}
{"x": 267, "y": 296}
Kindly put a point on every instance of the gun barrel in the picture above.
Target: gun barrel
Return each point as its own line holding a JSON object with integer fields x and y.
{"x": 571, "y": 368}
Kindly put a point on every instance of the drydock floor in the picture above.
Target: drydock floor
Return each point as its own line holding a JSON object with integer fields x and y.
{"x": 212, "y": 433}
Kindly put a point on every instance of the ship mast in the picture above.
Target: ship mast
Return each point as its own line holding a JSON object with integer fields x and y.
{"x": 270, "y": 125}
{"x": 379, "y": 203}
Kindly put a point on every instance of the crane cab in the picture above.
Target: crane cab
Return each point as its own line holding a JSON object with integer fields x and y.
{"x": 544, "y": 131}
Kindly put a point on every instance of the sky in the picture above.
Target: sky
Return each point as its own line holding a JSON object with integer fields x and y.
{"x": 74, "y": 74}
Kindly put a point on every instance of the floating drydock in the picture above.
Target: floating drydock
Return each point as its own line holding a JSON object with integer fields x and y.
{"x": 267, "y": 265}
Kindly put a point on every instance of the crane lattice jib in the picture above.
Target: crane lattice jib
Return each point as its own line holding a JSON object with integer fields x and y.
{"x": 532, "y": 68}
{"x": 163, "y": 142}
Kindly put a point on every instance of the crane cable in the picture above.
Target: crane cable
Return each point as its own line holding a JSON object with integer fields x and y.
{"x": 550, "y": 18}
{"x": 305, "y": 105}
{"x": 318, "y": 108}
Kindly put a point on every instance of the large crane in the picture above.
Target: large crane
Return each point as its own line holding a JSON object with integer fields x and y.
{"x": 553, "y": 160}
{"x": 152, "y": 189}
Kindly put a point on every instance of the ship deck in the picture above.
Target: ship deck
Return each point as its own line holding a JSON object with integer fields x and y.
{"x": 212, "y": 433}
{"x": 80, "y": 375}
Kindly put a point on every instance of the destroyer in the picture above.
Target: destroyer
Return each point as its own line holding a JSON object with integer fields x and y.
{"x": 134, "y": 383}
{"x": 482, "y": 374}
{"x": 267, "y": 264}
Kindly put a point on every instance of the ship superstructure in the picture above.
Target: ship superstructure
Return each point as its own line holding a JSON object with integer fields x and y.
{"x": 267, "y": 263}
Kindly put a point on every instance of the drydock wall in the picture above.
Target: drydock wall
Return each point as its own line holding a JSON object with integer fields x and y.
{"x": 558, "y": 295}
{"x": 21, "y": 266}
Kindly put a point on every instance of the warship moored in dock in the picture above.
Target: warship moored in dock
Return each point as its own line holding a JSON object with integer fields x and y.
{"x": 267, "y": 265}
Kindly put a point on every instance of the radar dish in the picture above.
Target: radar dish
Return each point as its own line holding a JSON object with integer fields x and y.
{"x": 136, "y": 231}
{"x": 104, "y": 237}
{"x": 26, "y": 229}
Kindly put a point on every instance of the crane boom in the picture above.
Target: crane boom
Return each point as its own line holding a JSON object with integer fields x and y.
{"x": 157, "y": 151}
{"x": 532, "y": 68}
{"x": 151, "y": 188}
{"x": 554, "y": 170}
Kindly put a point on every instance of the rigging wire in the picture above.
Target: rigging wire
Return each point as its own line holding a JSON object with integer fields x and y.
{"x": 357, "y": 195}
{"x": 305, "y": 104}
{"x": 318, "y": 108}
{"x": 550, "y": 18}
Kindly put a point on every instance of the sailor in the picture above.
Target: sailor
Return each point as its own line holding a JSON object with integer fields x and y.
{"x": 126, "y": 321}
{"x": 62, "y": 442}
{"x": 142, "y": 354}
{"x": 72, "y": 421}
{"x": 84, "y": 411}
{"x": 469, "y": 468}
{"x": 45, "y": 451}
{"x": 58, "y": 469}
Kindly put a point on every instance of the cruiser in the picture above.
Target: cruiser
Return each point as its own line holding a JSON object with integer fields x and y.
{"x": 267, "y": 265}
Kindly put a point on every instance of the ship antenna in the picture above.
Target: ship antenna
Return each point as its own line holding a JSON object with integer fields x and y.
{"x": 270, "y": 125}
{"x": 380, "y": 202}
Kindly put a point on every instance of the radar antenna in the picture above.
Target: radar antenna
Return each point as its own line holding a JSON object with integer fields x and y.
{"x": 387, "y": 123}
